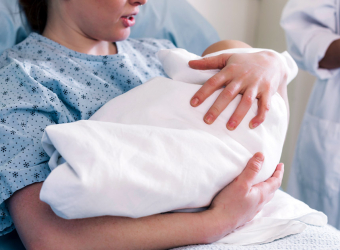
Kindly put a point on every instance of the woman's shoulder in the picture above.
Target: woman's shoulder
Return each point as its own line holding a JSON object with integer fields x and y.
{"x": 27, "y": 50}
{"x": 28, "y": 67}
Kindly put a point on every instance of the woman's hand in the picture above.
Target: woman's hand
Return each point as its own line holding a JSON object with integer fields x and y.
{"x": 255, "y": 75}
{"x": 241, "y": 200}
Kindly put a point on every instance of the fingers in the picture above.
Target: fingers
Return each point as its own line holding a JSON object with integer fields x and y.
{"x": 252, "y": 169}
{"x": 213, "y": 62}
{"x": 268, "y": 187}
{"x": 214, "y": 83}
{"x": 242, "y": 109}
{"x": 222, "y": 101}
{"x": 275, "y": 181}
{"x": 241, "y": 74}
{"x": 263, "y": 108}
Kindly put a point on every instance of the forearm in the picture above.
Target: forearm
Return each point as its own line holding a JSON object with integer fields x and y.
{"x": 331, "y": 59}
{"x": 40, "y": 228}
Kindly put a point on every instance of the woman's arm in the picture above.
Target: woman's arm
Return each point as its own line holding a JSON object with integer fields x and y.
{"x": 40, "y": 228}
{"x": 254, "y": 75}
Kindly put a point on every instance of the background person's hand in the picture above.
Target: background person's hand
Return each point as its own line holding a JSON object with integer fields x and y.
{"x": 241, "y": 200}
{"x": 255, "y": 75}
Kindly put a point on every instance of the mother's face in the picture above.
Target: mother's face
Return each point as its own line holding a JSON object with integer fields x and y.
{"x": 107, "y": 20}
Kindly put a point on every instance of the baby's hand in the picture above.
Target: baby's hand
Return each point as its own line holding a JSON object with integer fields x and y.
{"x": 255, "y": 75}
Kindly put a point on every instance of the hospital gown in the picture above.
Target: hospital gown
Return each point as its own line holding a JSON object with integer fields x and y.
{"x": 44, "y": 83}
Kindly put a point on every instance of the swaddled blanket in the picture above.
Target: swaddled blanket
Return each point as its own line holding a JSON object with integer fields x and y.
{"x": 148, "y": 151}
{"x": 151, "y": 151}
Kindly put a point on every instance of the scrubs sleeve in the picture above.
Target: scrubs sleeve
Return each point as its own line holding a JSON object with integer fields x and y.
{"x": 311, "y": 26}
{"x": 177, "y": 21}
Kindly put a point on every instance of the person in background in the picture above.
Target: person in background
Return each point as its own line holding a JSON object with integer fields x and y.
{"x": 313, "y": 38}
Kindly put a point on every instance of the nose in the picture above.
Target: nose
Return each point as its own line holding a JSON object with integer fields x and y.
{"x": 138, "y": 2}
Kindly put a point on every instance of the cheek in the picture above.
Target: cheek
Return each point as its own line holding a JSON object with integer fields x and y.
{"x": 102, "y": 20}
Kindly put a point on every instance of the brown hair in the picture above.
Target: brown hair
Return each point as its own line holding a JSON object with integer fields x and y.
{"x": 36, "y": 13}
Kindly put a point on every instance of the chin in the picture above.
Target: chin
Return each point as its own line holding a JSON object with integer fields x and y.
{"x": 119, "y": 36}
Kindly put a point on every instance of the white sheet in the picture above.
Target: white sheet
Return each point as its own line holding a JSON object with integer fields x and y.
{"x": 148, "y": 151}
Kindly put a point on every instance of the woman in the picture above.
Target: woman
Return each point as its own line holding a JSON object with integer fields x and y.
{"x": 80, "y": 61}
{"x": 312, "y": 29}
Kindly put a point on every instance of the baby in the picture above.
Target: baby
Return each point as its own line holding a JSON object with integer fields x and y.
{"x": 154, "y": 152}
{"x": 148, "y": 152}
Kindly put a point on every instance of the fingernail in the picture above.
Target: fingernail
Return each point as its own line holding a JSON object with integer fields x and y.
{"x": 194, "y": 101}
{"x": 209, "y": 118}
{"x": 259, "y": 157}
{"x": 253, "y": 125}
{"x": 231, "y": 125}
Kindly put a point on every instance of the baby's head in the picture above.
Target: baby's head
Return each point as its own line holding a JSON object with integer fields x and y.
{"x": 102, "y": 20}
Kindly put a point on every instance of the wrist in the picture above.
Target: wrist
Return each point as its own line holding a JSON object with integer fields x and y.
{"x": 217, "y": 224}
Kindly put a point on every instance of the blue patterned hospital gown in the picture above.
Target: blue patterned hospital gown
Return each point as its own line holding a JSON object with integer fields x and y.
{"x": 44, "y": 83}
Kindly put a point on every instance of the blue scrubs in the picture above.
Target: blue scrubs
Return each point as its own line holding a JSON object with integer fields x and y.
{"x": 44, "y": 83}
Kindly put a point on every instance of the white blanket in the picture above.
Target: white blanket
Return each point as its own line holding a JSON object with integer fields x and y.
{"x": 148, "y": 151}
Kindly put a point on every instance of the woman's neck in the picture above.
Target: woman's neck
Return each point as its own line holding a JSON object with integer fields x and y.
{"x": 72, "y": 38}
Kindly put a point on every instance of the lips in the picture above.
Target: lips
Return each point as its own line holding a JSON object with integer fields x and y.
{"x": 128, "y": 21}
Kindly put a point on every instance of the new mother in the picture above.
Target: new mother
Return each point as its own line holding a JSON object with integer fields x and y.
{"x": 80, "y": 59}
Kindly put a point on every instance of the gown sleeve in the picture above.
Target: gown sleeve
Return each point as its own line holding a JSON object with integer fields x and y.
{"x": 25, "y": 111}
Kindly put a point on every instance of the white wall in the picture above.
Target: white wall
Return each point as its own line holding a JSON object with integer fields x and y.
{"x": 256, "y": 22}
{"x": 233, "y": 19}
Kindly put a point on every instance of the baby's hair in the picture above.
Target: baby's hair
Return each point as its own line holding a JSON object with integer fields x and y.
{"x": 36, "y": 13}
